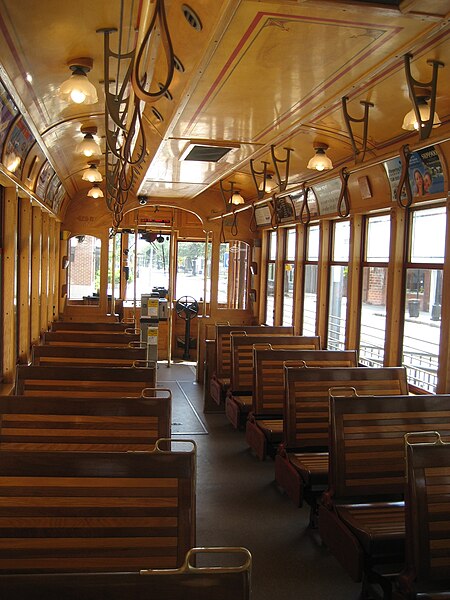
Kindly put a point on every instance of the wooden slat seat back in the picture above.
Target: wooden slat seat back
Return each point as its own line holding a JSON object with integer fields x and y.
{"x": 110, "y": 326}
{"x": 102, "y": 382}
{"x": 189, "y": 582}
{"x": 306, "y": 412}
{"x": 367, "y": 448}
{"x": 99, "y": 356}
{"x": 242, "y": 355}
{"x": 268, "y": 385}
{"x": 89, "y": 511}
{"x": 427, "y": 522}
{"x": 362, "y": 519}
{"x": 87, "y": 338}
{"x": 223, "y": 341}
{"x": 84, "y": 424}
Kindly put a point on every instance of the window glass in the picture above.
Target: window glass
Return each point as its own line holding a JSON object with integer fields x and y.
{"x": 84, "y": 269}
{"x": 273, "y": 245}
{"x": 341, "y": 241}
{"x": 288, "y": 295}
{"x": 310, "y": 300}
{"x": 152, "y": 264}
{"x": 428, "y": 236}
{"x": 378, "y": 235}
{"x": 190, "y": 270}
{"x": 373, "y": 316}
{"x": 312, "y": 244}
{"x": 423, "y": 298}
{"x": 337, "y": 307}
{"x": 270, "y": 297}
{"x": 115, "y": 239}
{"x": 291, "y": 237}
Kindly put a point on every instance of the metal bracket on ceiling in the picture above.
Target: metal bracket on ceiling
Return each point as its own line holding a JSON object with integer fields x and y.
{"x": 282, "y": 183}
{"x": 365, "y": 120}
{"x": 259, "y": 192}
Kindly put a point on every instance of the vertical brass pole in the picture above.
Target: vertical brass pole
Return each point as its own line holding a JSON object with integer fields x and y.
{"x": 172, "y": 275}
{"x": 135, "y": 271}
{"x": 113, "y": 276}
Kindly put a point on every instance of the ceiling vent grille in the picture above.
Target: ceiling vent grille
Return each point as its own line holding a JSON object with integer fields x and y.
{"x": 205, "y": 152}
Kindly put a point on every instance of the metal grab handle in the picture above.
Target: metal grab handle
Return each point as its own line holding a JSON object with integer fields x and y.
{"x": 188, "y": 567}
{"x": 154, "y": 394}
{"x": 353, "y": 393}
{"x": 144, "y": 364}
{"x": 132, "y": 331}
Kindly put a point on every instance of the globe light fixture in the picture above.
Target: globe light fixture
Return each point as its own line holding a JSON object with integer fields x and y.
{"x": 89, "y": 147}
{"x": 92, "y": 174}
{"x": 410, "y": 122}
{"x": 320, "y": 161}
{"x": 78, "y": 88}
{"x": 95, "y": 192}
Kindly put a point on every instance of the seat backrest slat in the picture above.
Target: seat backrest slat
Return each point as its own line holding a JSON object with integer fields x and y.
{"x": 268, "y": 373}
{"x": 89, "y": 338}
{"x": 110, "y": 326}
{"x": 306, "y": 413}
{"x": 101, "y": 356}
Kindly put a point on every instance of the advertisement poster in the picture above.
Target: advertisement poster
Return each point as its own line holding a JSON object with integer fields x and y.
{"x": 263, "y": 215}
{"x": 45, "y": 174}
{"x": 58, "y": 198}
{"x": 425, "y": 173}
{"x": 297, "y": 201}
{"x": 8, "y": 112}
{"x": 16, "y": 148}
{"x": 327, "y": 194}
{"x": 51, "y": 191}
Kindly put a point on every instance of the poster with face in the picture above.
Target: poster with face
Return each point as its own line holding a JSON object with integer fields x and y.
{"x": 51, "y": 190}
{"x": 425, "y": 173}
{"x": 45, "y": 174}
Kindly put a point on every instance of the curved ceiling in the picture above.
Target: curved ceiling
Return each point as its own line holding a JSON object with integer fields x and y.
{"x": 256, "y": 74}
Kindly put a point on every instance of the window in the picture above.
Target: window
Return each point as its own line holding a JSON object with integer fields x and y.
{"x": 270, "y": 287}
{"x": 84, "y": 269}
{"x": 190, "y": 270}
{"x": 233, "y": 274}
{"x": 374, "y": 288}
{"x": 337, "y": 306}
{"x": 151, "y": 264}
{"x": 310, "y": 282}
{"x": 289, "y": 276}
{"x": 423, "y": 297}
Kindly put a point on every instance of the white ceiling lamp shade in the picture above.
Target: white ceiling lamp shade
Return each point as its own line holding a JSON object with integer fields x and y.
{"x": 89, "y": 147}
{"x": 237, "y": 199}
{"x": 92, "y": 174}
{"x": 78, "y": 88}
{"x": 320, "y": 161}
{"x": 95, "y": 192}
{"x": 410, "y": 122}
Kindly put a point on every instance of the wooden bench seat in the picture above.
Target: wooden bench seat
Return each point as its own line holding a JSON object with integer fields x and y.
{"x": 106, "y": 326}
{"x": 189, "y": 582}
{"x": 89, "y": 511}
{"x": 220, "y": 380}
{"x": 88, "y": 338}
{"x": 85, "y": 424}
{"x": 237, "y": 409}
{"x": 427, "y": 574}
{"x": 361, "y": 518}
{"x": 103, "y": 382}
{"x": 264, "y": 428}
{"x": 99, "y": 356}
{"x": 306, "y": 420}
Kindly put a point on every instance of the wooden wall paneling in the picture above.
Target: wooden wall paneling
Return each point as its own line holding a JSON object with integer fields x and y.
{"x": 10, "y": 284}
{"x": 298, "y": 299}
{"x": 44, "y": 271}
{"x": 395, "y": 287}
{"x": 24, "y": 306}
{"x": 322, "y": 283}
{"x": 354, "y": 283}
{"x": 443, "y": 386}
{"x": 57, "y": 268}
{"x": 36, "y": 256}
{"x": 51, "y": 270}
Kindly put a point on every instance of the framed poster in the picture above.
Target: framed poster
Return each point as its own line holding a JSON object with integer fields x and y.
{"x": 284, "y": 209}
{"x": 425, "y": 173}
{"x": 51, "y": 190}
{"x": 263, "y": 215}
{"x": 297, "y": 201}
{"x": 58, "y": 198}
{"x": 45, "y": 174}
{"x": 17, "y": 145}
{"x": 327, "y": 194}
{"x": 8, "y": 112}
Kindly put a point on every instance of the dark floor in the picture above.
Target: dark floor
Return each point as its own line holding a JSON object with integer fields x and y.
{"x": 238, "y": 504}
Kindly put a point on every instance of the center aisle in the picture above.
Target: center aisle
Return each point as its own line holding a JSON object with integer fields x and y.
{"x": 238, "y": 504}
